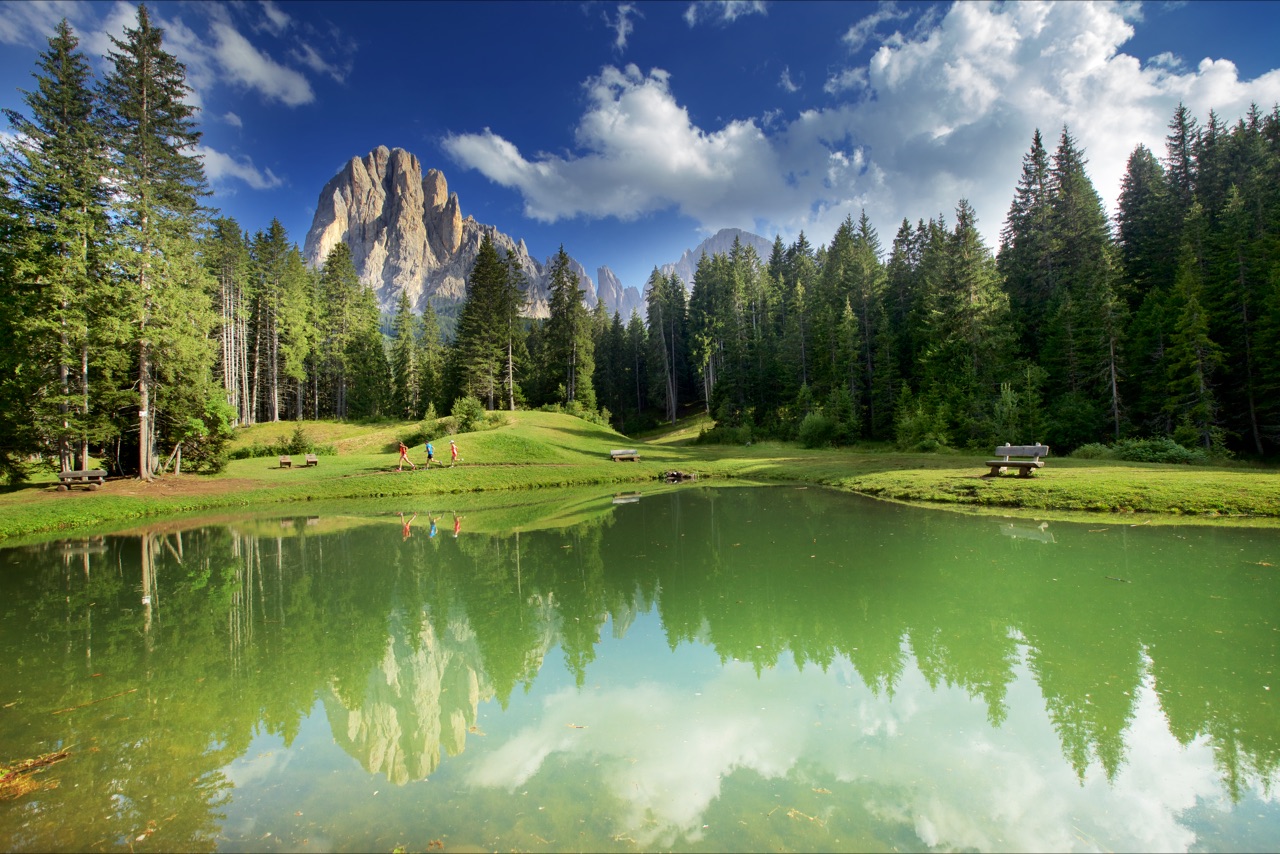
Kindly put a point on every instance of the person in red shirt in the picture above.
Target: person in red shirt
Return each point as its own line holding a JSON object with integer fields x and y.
{"x": 453, "y": 454}
{"x": 404, "y": 458}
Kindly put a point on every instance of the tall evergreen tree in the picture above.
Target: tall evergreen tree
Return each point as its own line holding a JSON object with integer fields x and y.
{"x": 406, "y": 382}
{"x": 570, "y": 345}
{"x": 55, "y": 165}
{"x": 226, "y": 258}
{"x": 158, "y": 180}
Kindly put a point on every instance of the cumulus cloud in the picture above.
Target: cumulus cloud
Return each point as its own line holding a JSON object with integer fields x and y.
{"x": 944, "y": 112}
{"x": 233, "y": 120}
{"x": 219, "y": 167}
{"x": 722, "y": 11}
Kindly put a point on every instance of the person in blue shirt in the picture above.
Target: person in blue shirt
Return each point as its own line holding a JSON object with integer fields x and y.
{"x": 431, "y": 455}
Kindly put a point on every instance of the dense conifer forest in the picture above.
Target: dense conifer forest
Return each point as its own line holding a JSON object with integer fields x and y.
{"x": 141, "y": 327}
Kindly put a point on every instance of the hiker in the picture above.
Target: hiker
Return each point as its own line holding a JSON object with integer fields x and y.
{"x": 431, "y": 455}
{"x": 404, "y": 458}
{"x": 453, "y": 454}
{"x": 406, "y": 532}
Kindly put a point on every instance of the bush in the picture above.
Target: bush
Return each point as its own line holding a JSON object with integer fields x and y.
{"x": 818, "y": 430}
{"x": 1092, "y": 451}
{"x": 1158, "y": 450}
{"x": 298, "y": 442}
{"x": 468, "y": 413}
{"x": 722, "y": 434}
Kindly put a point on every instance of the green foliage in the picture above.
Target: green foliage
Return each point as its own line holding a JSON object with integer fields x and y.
{"x": 1155, "y": 450}
{"x": 204, "y": 448}
{"x": 818, "y": 430}
{"x": 468, "y": 413}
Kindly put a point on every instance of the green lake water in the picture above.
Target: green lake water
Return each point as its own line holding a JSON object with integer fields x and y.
{"x": 695, "y": 669}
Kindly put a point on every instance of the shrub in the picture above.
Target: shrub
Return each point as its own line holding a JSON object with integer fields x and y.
{"x": 468, "y": 413}
{"x": 1092, "y": 451}
{"x": 818, "y": 430}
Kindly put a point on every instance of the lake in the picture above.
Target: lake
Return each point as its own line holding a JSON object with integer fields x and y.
{"x": 688, "y": 668}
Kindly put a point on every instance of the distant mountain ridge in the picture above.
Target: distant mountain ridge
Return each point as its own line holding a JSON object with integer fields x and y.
{"x": 407, "y": 234}
{"x": 720, "y": 243}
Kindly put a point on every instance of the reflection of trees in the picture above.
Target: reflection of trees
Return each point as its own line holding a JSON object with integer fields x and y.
{"x": 402, "y": 639}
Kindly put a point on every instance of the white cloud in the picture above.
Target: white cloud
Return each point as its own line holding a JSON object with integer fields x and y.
{"x": 943, "y": 113}
{"x": 860, "y": 33}
{"x": 219, "y": 167}
{"x": 31, "y": 24}
{"x": 308, "y": 56}
{"x": 276, "y": 19}
{"x": 621, "y": 24}
{"x": 664, "y": 756}
{"x": 786, "y": 83}
{"x": 722, "y": 11}
{"x": 244, "y": 64}
{"x": 233, "y": 120}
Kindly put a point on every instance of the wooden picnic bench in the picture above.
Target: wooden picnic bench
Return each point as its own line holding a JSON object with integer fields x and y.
{"x": 92, "y": 478}
{"x": 285, "y": 461}
{"x": 1026, "y": 467}
{"x": 620, "y": 456}
{"x": 312, "y": 460}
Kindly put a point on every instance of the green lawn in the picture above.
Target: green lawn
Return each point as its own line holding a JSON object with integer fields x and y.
{"x": 534, "y": 450}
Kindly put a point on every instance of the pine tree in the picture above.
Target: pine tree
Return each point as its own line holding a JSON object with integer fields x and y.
{"x": 1026, "y": 260}
{"x": 406, "y": 382}
{"x": 570, "y": 346}
{"x": 158, "y": 181}
{"x": 430, "y": 361}
{"x": 340, "y": 329}
{"x": 226, "y": 258}
{"x": 55, "y": 165}
{"x": 487, "y": 344}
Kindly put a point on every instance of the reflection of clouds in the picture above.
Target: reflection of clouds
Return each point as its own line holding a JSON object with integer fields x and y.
{"x": 927, "y": 760}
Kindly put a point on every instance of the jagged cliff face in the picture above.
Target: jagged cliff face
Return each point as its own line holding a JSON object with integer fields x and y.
{"x": 406, "y": 232}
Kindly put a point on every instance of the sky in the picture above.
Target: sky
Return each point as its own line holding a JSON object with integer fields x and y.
{"x": 629, "y": 132}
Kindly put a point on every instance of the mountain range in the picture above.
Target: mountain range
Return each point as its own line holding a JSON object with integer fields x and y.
{"x": 407, "y": 233}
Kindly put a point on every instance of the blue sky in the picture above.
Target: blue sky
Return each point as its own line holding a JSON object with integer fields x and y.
{"x": 629, "y": 132}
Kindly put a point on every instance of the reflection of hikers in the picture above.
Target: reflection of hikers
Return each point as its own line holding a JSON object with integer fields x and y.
{"x": 431, "y": 454}
{"x": 457, "y": 524}
{"x": 404, "y": 458}
{"x": 406, "y": 530}
{"x": 432, "y": 532}
{"x": 453, "y": 454}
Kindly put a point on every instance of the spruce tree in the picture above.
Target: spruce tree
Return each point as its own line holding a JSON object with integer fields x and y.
{"x": 570, "y": 358}
{"x": 157, "y": 180}
{"x": 406, "y": 382}
{"x": 55, "y": 166}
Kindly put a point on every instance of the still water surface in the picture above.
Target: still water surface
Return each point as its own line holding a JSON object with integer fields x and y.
{"x": 732, "y": 669}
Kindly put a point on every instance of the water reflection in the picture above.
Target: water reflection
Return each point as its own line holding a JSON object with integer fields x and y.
{"x": 741, "y": 668}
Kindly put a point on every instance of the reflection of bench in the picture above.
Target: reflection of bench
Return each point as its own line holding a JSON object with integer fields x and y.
{"x": 285, "y": 462}
{"x": 620, "y": 456}
{"x": 1024, "y": 466}
{"x": 92, "y": 478}
{"x": 312, "y": 460}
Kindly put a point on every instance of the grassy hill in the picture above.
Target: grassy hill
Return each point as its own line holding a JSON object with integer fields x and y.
{"x": 540, "y": 450}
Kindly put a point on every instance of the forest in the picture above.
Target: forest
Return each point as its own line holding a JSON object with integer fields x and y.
{"x": 141, "y": 327}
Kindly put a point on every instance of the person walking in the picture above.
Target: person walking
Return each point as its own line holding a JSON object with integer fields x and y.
{"x": 453, "y": 454}
{"x": 404, "y": 458}
{"x": 431, "y": 455}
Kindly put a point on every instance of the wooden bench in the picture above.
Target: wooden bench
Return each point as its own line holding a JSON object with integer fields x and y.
{"x": 312, "y": 460}
{"x": 285, "y": 462}
{"x": 620, "y": 456}
{"x": 1026, "y": 467}
{"x": 92, "y": 478}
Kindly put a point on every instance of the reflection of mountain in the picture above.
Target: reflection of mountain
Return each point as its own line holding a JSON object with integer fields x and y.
{"x": 790, "y": 589}
{"x": 423, "y": 696}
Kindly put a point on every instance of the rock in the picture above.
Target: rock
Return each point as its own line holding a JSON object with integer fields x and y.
{"x": 407, "y": 234}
